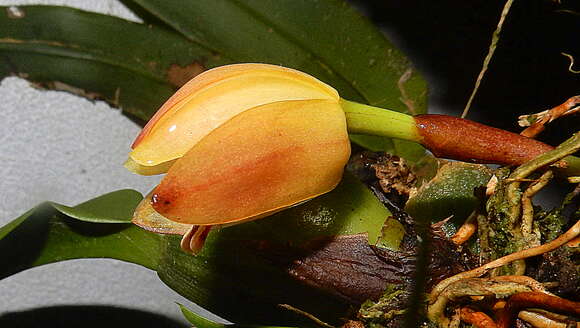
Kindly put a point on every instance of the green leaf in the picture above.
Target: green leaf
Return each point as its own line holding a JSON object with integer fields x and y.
{"x": 114, "y": 207}
{"x": 132, "y": 66}
{"x": 200, "y": 322}
{"x": 242, "y": 274}
{"x": 137, "y": 67}
{"x": 326, "y": 38}
{"x": 46, "y": 235}
{"x": 451, "y": 192}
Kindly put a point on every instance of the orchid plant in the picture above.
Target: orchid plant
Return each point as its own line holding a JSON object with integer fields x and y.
{"x": 254, "y": 130}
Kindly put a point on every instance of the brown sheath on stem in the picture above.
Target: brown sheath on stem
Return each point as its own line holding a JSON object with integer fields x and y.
{"x": 461, "y": 139}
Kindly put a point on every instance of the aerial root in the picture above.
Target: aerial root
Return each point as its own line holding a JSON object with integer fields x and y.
{"x": 467, "y": 284}
{"x": 536, "y": 122}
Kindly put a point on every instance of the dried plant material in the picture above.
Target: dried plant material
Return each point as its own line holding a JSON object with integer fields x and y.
{"x": 520, "y": 180}
{"x": 353, "y": 324}
{"x": 437, "y": 227}
{"x": 571, "y": 63}
{"x": 548, "y": 314}
{"x": 490, "y": 187}
{"x": 471, "y": 287}
{"x": 455, "y": 318}
{"x": 572, "y": 233}
{"x": 466, "y": 230}
{"x": 346, "y": 267}
{"x": 498, "y": 287}
{"x": 560, "y": 270}
{"x": 490, "y": 52}
{"x": 179, "y": 75}
{"x": 536, "y": 122}
{"x": 540, "y": 320}
{"x": 525, "y": 300}
{"x": 514, "y": 193}
{"x": 305, "y": 314}
{"x": 394, "y": 175}
{"x": 405, "y": 99}
{"x": 528, "y": 208}
{"x": 533, "y": 284}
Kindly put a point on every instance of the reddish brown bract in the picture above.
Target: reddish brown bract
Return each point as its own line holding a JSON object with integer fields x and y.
{"x": 461, "y": 139}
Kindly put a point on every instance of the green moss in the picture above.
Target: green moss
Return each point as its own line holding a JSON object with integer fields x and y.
{"x": 501, "y": 240}
{"x": 389, "y": 307}
{"x": 551, "y": 223}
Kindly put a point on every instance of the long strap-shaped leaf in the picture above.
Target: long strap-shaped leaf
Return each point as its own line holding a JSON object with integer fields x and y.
{"x": 136, "y": 66}
{"x": 52, "y": 233}
{"x": 246, "y": 270}
{"x": 326, "y": 38}
{"x": 46, "y": 234}
{"x": 132, "y": 66}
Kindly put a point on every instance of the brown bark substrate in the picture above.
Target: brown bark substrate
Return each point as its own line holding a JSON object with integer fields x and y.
{"x": 351, "y": 269}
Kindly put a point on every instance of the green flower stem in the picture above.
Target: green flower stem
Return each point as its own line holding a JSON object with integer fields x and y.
{"x": 369, "y": 120}
{"x": 450, "y": 137}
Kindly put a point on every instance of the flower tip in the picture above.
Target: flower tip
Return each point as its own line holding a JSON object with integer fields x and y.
{"x": 147, "y": 218}
{"x": 131, "y": 165}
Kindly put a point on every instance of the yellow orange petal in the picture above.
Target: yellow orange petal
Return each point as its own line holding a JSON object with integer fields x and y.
{"x": 262, "y": 160}
{"x": 211, "y": 99}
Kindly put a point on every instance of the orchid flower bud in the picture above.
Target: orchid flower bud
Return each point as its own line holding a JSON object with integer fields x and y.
{"x": 241, "y": 142}
{"x": 211, "y": 99}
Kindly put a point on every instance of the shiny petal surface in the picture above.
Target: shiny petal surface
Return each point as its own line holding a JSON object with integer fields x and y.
{"x": 211, "y": 99}
{"x": 262, "y": 160}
